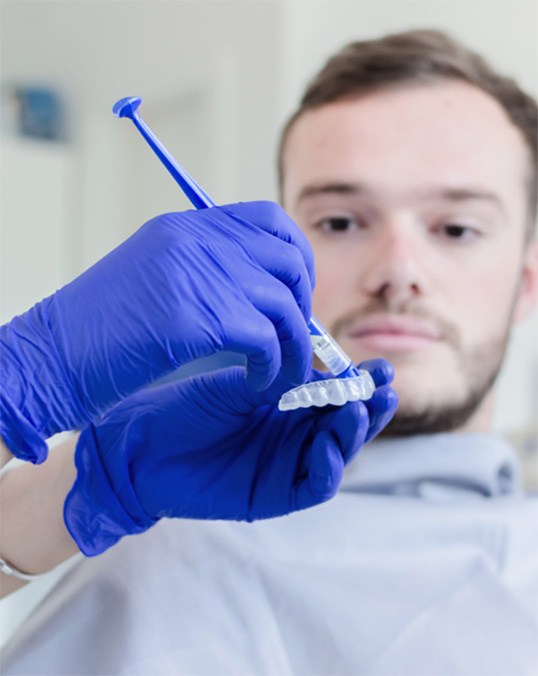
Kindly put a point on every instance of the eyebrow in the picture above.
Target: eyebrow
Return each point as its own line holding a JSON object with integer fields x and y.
{"x": 468, "y": 194}
{"x": 462, "y": 194}
{"x": 337, "y": 188}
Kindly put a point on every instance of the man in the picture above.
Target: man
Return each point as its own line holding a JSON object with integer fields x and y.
{"x": 407, "y": 206}
{"x": 411, "y": 167}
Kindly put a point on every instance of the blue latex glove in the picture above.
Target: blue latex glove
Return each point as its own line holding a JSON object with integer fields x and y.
{"x": 184, "y": 286}
{"x": 211, "y": 448}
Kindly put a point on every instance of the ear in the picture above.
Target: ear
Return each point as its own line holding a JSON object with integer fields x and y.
{"x": 528, "y": 290}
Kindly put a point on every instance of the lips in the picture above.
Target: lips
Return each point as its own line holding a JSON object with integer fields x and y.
{"x": 393, "y": 333}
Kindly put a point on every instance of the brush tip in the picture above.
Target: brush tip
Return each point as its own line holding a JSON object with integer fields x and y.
{"x": 127, "y": 106}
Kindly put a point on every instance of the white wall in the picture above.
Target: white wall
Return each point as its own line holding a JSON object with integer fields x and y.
{"x": 96, "y": 52}
{"x": 504, "y": 31}
{"x": 217, "y": 78}
{"x": 24, "y": 237}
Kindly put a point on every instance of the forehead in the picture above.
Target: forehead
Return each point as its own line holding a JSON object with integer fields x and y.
{"x": 448, "y": 133}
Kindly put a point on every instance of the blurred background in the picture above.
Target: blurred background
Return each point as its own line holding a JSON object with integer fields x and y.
{"x": 218, "y": 79}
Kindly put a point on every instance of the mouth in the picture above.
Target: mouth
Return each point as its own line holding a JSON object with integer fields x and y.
{"x": 392, "y": 333}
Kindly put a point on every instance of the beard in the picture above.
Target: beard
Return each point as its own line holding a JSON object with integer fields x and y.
{"x": 479, "y": 366}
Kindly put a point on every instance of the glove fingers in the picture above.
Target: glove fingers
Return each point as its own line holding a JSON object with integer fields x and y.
{"x": 271, "y": 332}
{"x": 349, "y": 426}
{"x": 381, "y": 371}
{"x": 285, "y": 262}
{"x": 251, "y": 333}
{"x": 381, "y": 408}
{"x": 278, "y": 305}
{"x": 271, "y": 218}
{"x": 324, "y": 474}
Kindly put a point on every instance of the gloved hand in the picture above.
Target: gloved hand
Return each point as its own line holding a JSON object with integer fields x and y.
{"x": 184, "y": 286}
{"x": 211, "y": 448}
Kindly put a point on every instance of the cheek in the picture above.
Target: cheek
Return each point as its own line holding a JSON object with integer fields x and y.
{"x": 483, "y": 299}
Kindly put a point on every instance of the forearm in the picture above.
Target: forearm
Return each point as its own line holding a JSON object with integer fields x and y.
{"x": 34, "y": 536}
{"x": 5, "y": 454}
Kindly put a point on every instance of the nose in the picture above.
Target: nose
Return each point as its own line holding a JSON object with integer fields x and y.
{"x": 395, "y": 272}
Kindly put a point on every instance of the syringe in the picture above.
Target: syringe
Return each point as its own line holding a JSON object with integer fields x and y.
{"x": 323, "y": 344}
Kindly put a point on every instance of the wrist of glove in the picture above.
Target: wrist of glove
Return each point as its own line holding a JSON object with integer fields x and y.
{"x": 19, "y": 435}
{"x": 153, "y": 304}
{"x": 37, "y": 398}
{"x": 211, "y": 448}
{"x": 100, "y": 509}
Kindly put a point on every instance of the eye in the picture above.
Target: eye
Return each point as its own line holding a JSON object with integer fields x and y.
{"x": 338, "y": 224}
{"x": 457, "y": 231}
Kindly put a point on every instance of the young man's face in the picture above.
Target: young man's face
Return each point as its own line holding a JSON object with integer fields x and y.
{"x": 414, "y": 201}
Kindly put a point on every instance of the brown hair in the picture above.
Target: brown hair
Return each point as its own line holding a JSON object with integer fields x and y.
{"x": 419, "y": 56}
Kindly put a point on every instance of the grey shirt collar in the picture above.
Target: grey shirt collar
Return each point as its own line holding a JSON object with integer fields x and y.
{"x": 439, "y": 467}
